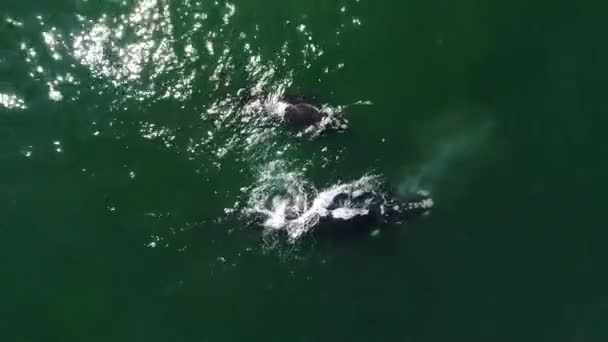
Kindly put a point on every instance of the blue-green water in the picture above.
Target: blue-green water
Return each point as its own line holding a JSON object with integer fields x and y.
{"x": 124, "y": 166}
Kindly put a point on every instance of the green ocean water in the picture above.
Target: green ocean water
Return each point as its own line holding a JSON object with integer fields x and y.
{"x": 122, "y": 164}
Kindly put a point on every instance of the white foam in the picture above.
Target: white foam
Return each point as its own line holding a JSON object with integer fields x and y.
{"x": 291, "y": 211}
{"x": 348, "y": 213}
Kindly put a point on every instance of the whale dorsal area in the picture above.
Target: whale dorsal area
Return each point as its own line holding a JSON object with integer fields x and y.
{"x": 302, "y": 114}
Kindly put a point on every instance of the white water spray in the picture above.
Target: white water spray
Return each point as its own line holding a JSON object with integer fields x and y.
{"x": 447, "y": 153}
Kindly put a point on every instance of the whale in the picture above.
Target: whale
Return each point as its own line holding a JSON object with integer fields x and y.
{"x": 363, "y": 205}
{"x": 297, "y": 112}
{"x": 302, "y": 112}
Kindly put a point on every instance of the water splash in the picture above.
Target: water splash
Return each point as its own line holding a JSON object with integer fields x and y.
{"x": 289, "y": 203}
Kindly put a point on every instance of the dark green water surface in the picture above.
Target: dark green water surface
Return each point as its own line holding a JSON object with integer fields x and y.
{"x": 121, "y": 160}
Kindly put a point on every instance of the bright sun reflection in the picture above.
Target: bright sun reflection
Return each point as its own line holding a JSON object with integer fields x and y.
{"x": 11, "y": 101}
{"x": 133, "y": 50}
